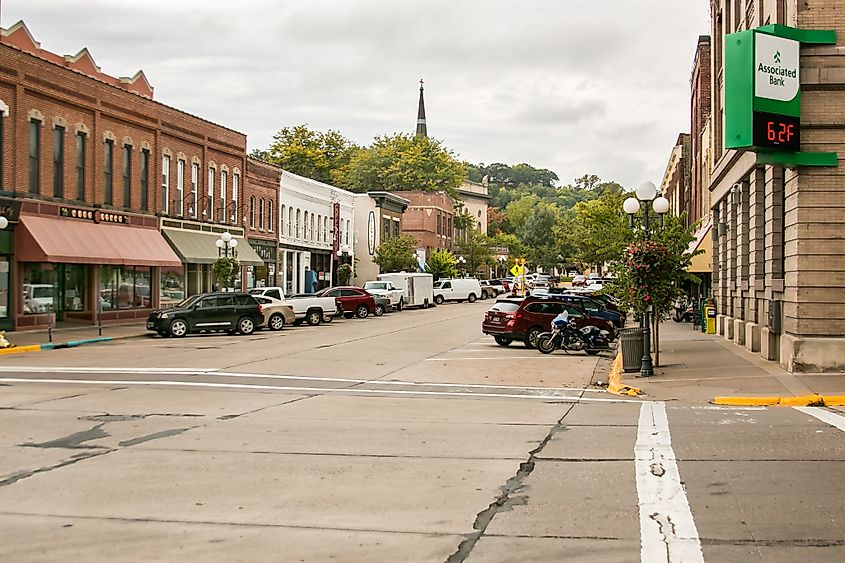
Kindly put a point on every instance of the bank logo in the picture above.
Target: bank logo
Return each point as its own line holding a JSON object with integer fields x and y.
{"x": 777, "y": 57}
{"x": 776, "y": 67}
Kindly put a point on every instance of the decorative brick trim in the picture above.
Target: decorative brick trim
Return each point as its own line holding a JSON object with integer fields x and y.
{"x": 35, "y": 115}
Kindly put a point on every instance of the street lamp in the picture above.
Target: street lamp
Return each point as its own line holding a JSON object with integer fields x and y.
{"x": 226, "y": 242}
{"x": 462, "y": 261}
{"x": 646, "y": 193}
{"x": 502, "y": 260}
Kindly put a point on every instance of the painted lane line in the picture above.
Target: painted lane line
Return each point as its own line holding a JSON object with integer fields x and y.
{"x": 54, "y": 369}
{"x": 667, "y": 528}
{"x": 211, "y": 372}
{"x": 546, "y": 397}
{"x": 492, "y": 358}
{"x": 833, "y": 419}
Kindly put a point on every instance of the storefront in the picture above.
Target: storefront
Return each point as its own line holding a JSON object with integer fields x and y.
{"x": 85, "y": 265}
{"x": 265, "y": 274}
{"x": 10, "y": 211}
{"x": 195, "y": 244}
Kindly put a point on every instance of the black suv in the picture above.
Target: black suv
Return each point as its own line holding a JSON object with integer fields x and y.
{"x": 231, "y": 312}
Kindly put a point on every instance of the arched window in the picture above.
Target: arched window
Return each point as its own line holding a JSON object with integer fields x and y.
{"x": 347, "y": 231}
{"x": 326, "y": 229}
{"x": 298, "y": 218}
{"x": 304, "y": 225}
{"x": 270, "y": 226}
{"x": 282, "y": 221}
{"x": 290, "y": 221}
{"x": 252, "y": 212}
{"x": 311, "y": 228}
{"x": 319, "y": 226}
{"x": 261, "y": 214}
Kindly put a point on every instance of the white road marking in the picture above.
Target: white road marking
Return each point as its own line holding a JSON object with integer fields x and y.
{"x": 667, "y": 528}
{"x": 215, "y": 373}
{"x": 543, "y": 397}
{"x": 491, "y": 358}
{"x": 831, "y": 418}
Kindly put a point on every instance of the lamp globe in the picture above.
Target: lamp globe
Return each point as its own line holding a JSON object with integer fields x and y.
{"x": 646, "y": 191}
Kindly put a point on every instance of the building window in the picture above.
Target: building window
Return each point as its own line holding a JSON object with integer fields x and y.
{"x": 195, "y": 174}
{"x": 282, "y": 221}
{"x": 325, "y": 229}
{"x": 319, "y": 227}
{"x": 347, "y": 231}
{"x": 311, "y": 228}
{"x": 236, "y": 182}
{"x": 396, "y": 227}
{"x": 224, "y": 179}
{"x": 304, "y": 225}
{"x": 252, "y": 212}
{"x": 125, "y": 287}
{"x": 145, "y": 174}
{"x": 210, "y": 196}
{"x": 290, "y": 221}
{"x": 385, "y": 227}
{"x": 127, "y": 175}
{"x": 165, "y": 184}
{"x": 298, "y": 224}
{"x": 108, "y": 170}
{"x": 59, "y": 162}
{"x": 261, "y": 214}
{"x": 270, "y": 216}
{"x": 34, "y": 156}
{"x": 180, "y": 188}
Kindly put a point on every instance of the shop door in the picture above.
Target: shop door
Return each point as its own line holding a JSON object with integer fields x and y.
{"x": 72, "y": 298}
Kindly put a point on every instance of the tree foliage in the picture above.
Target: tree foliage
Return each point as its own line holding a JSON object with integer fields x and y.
{"x": 320, "y": 156}
{"x": 396, "y": 254}
{"x": 475, "y": 248}
{"x": 405, "y": 162}
{"x": 225, "y": 270}
{"x": 441, "y": 264}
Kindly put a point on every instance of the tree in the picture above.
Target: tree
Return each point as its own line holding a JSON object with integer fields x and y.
{"x": 320, "y": 156}
{"x": 396, "y": 254}
{"x": 538, "y": 234}
{"x": 344, "y": 274}
{"x": 441, "y": 264}
{"x": 225, "y": 270}
{"x": 405, "y": 162}
{"x": 595, "y": 231}
{"x": 475, "y": 248}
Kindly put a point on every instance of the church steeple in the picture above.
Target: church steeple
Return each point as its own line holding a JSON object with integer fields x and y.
{"x": 422, "y": 130}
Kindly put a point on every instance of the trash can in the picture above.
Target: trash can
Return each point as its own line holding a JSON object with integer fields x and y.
{"x": 631, "y": 340}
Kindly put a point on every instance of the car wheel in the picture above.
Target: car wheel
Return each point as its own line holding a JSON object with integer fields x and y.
{"x": 178, "y": 328}
{"x": 401, "y": 304}
{"x": 438, "y": 299}
{"x": 503, "y": 340}
{"x": 276, "y": 321}
{"x": 471, "y": 298}
{"x": 246, "y": 326}
{"x": 362, "y": 312}
{"x": 531, "y": 336}
{"x": 314, "y": 317}
{"x": 379, "y": 310}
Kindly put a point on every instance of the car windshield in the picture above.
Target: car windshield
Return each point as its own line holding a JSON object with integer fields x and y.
{"x": 375, "y": 285}
{"x": 189, "y": 301}
{"x": 256, "y": 291}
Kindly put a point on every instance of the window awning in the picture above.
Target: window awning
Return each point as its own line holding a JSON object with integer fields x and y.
{"x": 51, "y": 239}
{"x": 200, "y": 248}
{"x": 702, "y": 263}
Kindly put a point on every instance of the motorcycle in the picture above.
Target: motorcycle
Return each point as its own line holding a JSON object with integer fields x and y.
{"x": 567, "y": 337}
{"x": 683, "y": 313}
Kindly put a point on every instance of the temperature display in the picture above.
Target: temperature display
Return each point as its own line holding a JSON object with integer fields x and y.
{"x": 776, "y": 131}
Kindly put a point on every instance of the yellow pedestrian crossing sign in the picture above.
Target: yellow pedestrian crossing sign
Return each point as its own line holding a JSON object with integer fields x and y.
{"x": 517, "y": 270}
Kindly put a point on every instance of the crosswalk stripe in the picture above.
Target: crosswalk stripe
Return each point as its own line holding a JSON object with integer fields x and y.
{"x": 833, "y": 419}
{"x": 667, "y": 528}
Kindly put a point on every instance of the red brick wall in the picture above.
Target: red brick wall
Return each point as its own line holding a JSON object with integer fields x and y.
{"x": 262, "y": 182}
{"x": 421, "y": 217}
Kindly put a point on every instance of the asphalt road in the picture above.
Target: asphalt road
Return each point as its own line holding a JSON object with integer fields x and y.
{"x": 410, "y": 437}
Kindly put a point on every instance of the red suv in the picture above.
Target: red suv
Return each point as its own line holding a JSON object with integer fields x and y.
{"x": 523, "y": 319}
{"x": 352, "y": 300}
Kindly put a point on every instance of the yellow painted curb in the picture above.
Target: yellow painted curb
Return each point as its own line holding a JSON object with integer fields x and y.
{"x": 18, "y": 349}
{"x": 803, "y": 401}
{"x": 614, "y": 380}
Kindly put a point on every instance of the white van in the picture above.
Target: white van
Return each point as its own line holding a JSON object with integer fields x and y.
{"x": 457, "y": 289}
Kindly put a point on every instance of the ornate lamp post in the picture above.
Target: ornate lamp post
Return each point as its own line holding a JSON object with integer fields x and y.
{"x": 462, "y": 261}
{"x": 646, "y": 193}
{"x": 226, "y": 242}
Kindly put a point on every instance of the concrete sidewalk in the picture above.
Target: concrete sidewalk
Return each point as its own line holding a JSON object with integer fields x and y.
{"x": 34, "y": 340}
{"x": 699, "y": 367}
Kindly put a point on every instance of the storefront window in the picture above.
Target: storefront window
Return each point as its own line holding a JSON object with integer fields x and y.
{"x": 125, "y": 287}
{"x": 74, "y": 287}
{"x": 4, "y": 284}
{"x": 39, "y": 288}
{"x": 172, "y": 287}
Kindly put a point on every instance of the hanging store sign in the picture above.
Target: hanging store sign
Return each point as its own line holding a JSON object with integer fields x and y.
{"x": 335, "y": 227}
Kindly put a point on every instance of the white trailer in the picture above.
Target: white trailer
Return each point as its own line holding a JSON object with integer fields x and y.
{"x": 418, "y": 288}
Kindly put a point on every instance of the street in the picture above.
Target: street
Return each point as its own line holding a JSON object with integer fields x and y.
{"x": 410, "y": 437}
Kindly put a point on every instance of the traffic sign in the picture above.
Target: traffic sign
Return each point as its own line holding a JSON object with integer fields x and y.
{"x": 517, "y": 270}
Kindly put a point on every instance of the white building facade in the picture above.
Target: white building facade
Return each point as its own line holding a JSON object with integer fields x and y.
{"x": 316, "y": 233}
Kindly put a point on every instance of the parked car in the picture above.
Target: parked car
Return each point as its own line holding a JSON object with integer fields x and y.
{"x": 353, "y": 301}
{"x": 587, "y": 301}
{"x": 502, "y": 284}
{"x": 307, "y": 307}
{"x": 523, "y": 319}
{"x": 541, "y": 280}
{"x": 489, "y": 290}
{"x": 276, "y": 313}
{"x": 231, "y": 312}
{"x": 457, "y": 289}
{"x": 385, "y": 288}
{"x": 579, "y": 281}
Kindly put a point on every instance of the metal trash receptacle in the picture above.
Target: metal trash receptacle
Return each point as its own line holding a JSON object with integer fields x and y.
{"x": 631, "y": 340}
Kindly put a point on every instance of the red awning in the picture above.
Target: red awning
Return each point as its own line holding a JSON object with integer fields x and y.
{"x": 51, "y": 239}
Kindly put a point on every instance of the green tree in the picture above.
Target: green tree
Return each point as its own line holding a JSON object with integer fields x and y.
{"x": 538, "y": 234}
{"x": 396, "y": 254}
{"x": 441, "y": 264}
{"x": 595, "y": 232}
{"x": 225, "y": 270}
{"x": 405, "y": 162}
{"x": 320, "y": 156}
{"x": 475, "y": 248}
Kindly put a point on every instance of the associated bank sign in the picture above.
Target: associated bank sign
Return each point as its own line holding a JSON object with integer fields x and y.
{"x": 776, "y": 63}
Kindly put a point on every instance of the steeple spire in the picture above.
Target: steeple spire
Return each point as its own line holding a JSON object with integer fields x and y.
{"x": 422, "y": 130}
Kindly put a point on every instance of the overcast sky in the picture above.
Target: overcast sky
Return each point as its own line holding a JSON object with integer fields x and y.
{"x": 578, "y": 87}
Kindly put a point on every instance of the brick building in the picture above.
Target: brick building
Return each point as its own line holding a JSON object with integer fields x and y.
{"x": 261, "y": 220}
{"x": 779, "y": 249}
{"x": 700, "y": 142}
{"x": 114, "y": 200}
{"x": 429, "y": 218}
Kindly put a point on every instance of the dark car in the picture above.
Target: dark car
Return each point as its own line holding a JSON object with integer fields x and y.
{"x": 523, "y": 319}
{"x": 352, "y": 300}
{"x": 231, "y": 312}
{"x": 590, "y": 303}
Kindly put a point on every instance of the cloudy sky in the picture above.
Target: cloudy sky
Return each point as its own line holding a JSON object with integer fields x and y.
{"x": 578, "y": 87}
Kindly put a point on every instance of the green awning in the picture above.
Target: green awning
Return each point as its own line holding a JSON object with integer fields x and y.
{"x": 201, "y": 248}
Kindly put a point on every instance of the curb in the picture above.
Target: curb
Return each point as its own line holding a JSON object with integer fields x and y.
{"x": 614, "y": 380}
{"x": 20, "y": 349}
{"x": 803, "y": 401}
{"x": 63, "y": 345}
